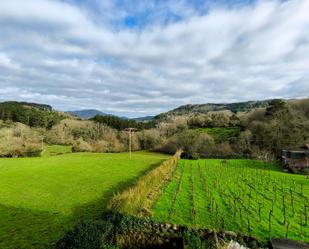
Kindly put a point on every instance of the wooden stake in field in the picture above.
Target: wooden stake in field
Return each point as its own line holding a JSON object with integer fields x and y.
{"x": 130, "y": 130}
{"x": 269, "y": 221}
{"x": 306, "y": 217}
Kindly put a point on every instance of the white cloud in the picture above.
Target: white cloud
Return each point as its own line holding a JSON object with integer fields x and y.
{"x": 56, "y": 52}
{"x": 6, "y": 62}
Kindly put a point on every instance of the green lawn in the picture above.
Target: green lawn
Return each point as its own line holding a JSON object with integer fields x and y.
{"x": 41, "y": 198}
{"x": 239, "y": 196}
{"x": 54, "y": 150}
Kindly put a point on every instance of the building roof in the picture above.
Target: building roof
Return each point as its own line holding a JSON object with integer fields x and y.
{"x": 297, "y": 147}
{"x": 306, "y": 147}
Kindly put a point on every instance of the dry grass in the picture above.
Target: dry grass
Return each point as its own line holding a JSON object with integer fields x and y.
{"x": 138, "y": 199}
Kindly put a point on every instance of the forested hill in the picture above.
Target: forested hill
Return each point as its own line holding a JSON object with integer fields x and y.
{"x": 42, "y": 107}
{"x": 31, "y": 114}
{"x": 205, "y": 108}
{"x": 120, "y": 123}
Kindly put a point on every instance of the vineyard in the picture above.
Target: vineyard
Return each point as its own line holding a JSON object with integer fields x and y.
{"x": 239, "y": 195}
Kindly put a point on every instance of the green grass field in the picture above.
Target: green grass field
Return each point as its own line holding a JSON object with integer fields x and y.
{"x": 54, "y": 150}
{"x": 237, "y": 195}
{"x": 41, "y": 198}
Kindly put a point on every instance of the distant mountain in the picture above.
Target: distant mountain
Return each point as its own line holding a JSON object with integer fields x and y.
{"x": 146, "y": 118}
{"x": 182, "y": 110}
{"x": 89, "y": 113}
{"x": 205, "y": 108}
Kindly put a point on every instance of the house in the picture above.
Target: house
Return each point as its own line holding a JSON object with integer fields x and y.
{"x": 297, "y": 157}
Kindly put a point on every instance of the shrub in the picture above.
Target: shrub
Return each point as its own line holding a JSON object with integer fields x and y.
{"x": 85, "y": 235}
{"x": 150, "y": 139}
{"x": 223, "y": 149}
{"x": 18, "y": 140}
{"x": 81, "y": 146}
{"x": 190, "y": 142}
{"x": 89, "y": 136}
{"x": 169, "y": 147}
{"x": 115, "y": 230}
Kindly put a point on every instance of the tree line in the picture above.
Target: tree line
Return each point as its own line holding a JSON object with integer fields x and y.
{"x": 255, "y": 133}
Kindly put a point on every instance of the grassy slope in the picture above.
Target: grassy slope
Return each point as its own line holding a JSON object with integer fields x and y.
{"x": 220, "y": 134}
{"x": 243, "y": 179}
{"x": 40, "y": 198}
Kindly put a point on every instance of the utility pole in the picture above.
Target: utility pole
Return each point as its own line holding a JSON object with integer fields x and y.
{"x": 130, "y": 130}
{"x": 42, "y": 143}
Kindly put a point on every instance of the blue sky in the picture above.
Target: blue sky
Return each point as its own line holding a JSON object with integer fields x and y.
{"x": 144, "y": 57}
{"x": 139, "y": 14}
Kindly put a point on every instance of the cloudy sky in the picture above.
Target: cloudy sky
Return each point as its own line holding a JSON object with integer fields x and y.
{"x": 143, "y": 57}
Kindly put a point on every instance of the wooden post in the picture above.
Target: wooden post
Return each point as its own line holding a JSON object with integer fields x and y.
{"x": 307, "y": 160}
{"x": 42, "y": 143}
{"x": 287, "y": 229}
{"x": 130, "y": 143}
